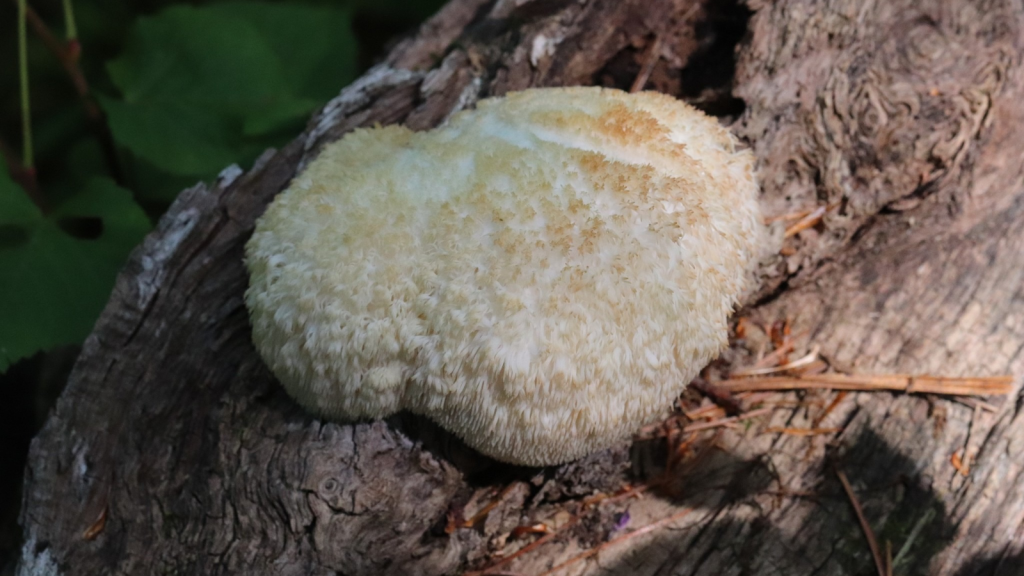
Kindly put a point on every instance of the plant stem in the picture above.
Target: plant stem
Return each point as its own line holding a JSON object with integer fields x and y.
{"x": 68, "y": 55}
{"x": 57, "y": 47}
{"x": 26, "y": 112}
{"x": 69, "y": 22}
{"x": 23, "y": 177}
{"x": 71, "y": 33}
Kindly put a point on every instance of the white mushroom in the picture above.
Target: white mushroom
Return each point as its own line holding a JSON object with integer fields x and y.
{"x": 541, "y": 276}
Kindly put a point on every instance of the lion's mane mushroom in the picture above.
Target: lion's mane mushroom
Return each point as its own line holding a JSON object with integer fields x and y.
{"x": 541, "y": 276}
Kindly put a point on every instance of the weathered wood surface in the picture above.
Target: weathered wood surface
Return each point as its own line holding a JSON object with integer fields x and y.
{"x": 173, "y": 451}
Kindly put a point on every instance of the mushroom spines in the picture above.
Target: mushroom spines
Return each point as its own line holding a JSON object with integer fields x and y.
{"x": 541, "y": 276}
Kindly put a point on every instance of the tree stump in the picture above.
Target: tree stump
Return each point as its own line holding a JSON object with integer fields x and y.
{"x": 174, "y": 451}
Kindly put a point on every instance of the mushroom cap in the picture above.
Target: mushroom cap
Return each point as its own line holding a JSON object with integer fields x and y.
{"x": 541, "y": 276}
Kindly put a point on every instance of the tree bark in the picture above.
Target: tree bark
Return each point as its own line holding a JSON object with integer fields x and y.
{"x": 173, "y": 450}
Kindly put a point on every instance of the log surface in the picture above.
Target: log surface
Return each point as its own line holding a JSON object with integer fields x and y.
{"x": 174, "y": 451}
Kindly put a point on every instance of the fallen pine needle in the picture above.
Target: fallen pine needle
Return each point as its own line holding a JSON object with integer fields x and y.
{"x": 539, "y": 528}
{"x": 806, "y": 360}
{"x": 638, "y": 532}
{"x": 962, "y": 467}
{"x": 803, "y": 431}
{"x": 888, "y": 558}
{"x": 774, "y": 356}
{"x": 975, "y": 403}
{"x": 993, "y": 385}
{"x": 492, "y": 570}
{"x": 828, "y": 409}
{"x": 868, "y": 533}
{"x": 94, "y": 530}
{"x": 726, "y": 421}
{"x": 983, "y": 386}
{"x": 709, "y": 411}
{"x": 650, "y": 59}
{"x": 658, "y": 430}
{"x": 923, "y": 521}
{"x": 629, "y": 492}
{"x": 490, "y": 506}
{"x": 806, "y": 222}
{"x": 790, "y": 216}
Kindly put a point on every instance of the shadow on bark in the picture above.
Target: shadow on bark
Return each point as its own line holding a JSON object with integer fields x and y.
{"x": 994, "y": 566}
{"x": 900, "y": 507}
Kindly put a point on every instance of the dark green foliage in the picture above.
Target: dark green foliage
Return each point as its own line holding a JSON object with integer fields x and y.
{"x": 186, "y": 90}
{"x": 202, "y": 88}
{"x": 58, "y": 268}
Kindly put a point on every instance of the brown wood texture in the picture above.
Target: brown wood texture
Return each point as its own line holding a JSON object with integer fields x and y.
{"x": 173, "y": 450}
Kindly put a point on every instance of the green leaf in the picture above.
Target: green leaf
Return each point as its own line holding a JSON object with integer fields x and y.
{"x": 15, "y": 207}
{"x": 315, "y": 44}
{"x": 201, "y": 87}
{"x": 58, "y": 269}
{"x": 181, "y": 139}
{"x": 199, "y": 57}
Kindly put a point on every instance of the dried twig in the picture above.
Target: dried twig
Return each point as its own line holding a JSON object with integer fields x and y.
{"x": 868, "y": 533}
{"x": 981, "y": 386}
{"x": 651, "y": 57}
